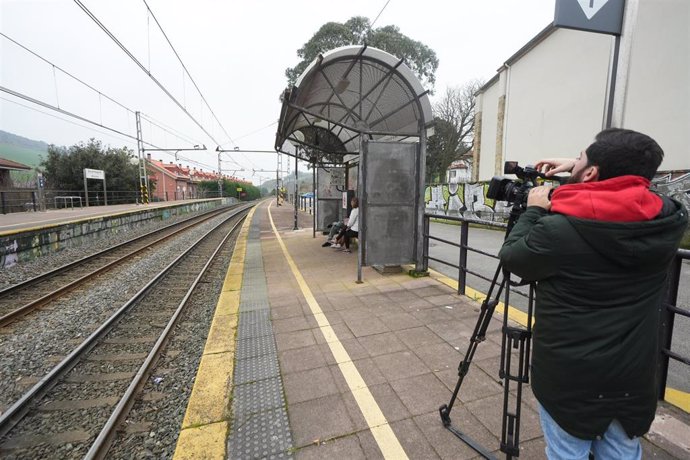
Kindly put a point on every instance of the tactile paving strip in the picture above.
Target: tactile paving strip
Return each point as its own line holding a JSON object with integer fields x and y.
{"x": 255, "y": 346}
{"x": 256, "y": 368}
{"x": 264, "y": 435}
{"x": 259, "y": 427}
{"x": 255, "y": 323}
{"x": 254, "y": 305}
{"x": 256, "y": 397}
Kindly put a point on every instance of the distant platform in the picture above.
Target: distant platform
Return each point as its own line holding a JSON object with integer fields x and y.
{"x": 22, "y": 221}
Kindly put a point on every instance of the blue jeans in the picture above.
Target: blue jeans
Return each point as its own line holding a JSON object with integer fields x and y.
{"x": 614, "y": 445}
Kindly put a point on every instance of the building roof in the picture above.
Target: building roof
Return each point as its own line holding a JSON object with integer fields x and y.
{"x": 458, "y": 164}
{"x": 9, "y": 164}
{"x": 171, "y": 169}
{"x": 540, "y": 37}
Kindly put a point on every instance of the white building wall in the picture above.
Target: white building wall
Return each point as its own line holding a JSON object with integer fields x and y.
{"x": 488, "y": 135}
{"x": 658, "y": 96}
{"x": 555, "y": 96}
{"x": 556, "y": 91}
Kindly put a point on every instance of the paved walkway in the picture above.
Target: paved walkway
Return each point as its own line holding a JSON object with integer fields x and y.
{"x": 365, "y": 367}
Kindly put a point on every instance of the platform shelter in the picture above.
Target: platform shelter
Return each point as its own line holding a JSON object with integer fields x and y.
{"x": 361, "y": 113}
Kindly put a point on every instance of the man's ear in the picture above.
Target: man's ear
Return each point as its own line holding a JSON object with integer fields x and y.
{"x": 591, "y": 174}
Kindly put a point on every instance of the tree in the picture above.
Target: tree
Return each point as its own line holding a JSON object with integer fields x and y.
{"x": 230, "y": 189}
{"x": 357, "y": 30}
{"x": 453, "y": 129}
{"x": 64, "y": 167}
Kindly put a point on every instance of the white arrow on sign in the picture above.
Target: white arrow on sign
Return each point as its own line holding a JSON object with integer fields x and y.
{"x": 591, "y": 7}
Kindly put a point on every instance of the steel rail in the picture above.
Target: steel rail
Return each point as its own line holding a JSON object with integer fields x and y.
{"x": 23, "y": 405}
{"x": 101, "y": 445}
{"x": 15, "y": 287}
{"x": 65, "y": 288}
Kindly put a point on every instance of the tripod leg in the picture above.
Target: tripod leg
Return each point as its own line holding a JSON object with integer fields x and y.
{"x": 478, "y": 335}
{"x": 514, "y": 338}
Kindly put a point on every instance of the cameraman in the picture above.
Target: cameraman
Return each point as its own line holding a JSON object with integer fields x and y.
{"x": 599, "y": 250}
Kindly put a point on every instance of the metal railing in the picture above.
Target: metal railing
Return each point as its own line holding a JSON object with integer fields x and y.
{"x": 19, "y": 201}
{"x": 306, "y": 204}
{"x": 667, "y": 310}
{"x": 462, "y": 268}
{"x": 23, "y": 200}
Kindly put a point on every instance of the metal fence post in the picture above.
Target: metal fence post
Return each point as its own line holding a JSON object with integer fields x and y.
{"x": 462, "y": 272}
{"x": 425, "y": 250}
{"x": 666, "y": 320}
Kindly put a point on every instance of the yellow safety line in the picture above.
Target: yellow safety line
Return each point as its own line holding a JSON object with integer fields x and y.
{"x": 380, "y": 429}
{"x": 206, "y": 422}
{"x": 678, "y": 398}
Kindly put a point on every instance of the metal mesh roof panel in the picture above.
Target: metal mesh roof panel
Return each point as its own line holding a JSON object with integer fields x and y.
{"x": 349, "y": 92}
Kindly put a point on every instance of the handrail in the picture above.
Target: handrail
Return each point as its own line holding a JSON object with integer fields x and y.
{"x": 667, "y": 315}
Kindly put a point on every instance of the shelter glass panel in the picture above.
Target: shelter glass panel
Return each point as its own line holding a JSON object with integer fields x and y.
{"x": 390, "y": 202}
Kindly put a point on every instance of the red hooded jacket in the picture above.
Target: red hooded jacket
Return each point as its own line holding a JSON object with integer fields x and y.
{"x": 620, "y": 199}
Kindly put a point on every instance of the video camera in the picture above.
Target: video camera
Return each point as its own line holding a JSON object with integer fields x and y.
{"x": 516, "y": 191}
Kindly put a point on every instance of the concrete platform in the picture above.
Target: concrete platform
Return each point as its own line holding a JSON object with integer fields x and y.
{"x": 347, "y": 370}
{"x": 26, "y": 236}
{"x": 20, "y": 221}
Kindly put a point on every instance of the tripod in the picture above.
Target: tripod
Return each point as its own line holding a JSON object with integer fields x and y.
{"x": 513, "y": 338}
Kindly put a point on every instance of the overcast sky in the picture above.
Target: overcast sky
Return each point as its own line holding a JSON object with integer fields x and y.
{"x": 236, "y": 52}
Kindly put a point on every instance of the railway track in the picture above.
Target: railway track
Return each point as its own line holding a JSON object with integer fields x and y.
{"x": 84, "y": 399}
{"x": 21, "y": 299}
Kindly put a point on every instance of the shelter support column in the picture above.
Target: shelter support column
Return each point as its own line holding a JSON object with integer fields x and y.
{"x": 421, "y": 179}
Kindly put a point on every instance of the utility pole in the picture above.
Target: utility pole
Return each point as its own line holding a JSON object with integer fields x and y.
{"x": 220, "y": 178}
{"x": 143, "y": 176}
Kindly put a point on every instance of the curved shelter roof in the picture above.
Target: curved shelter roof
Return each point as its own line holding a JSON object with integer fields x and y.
{"x": 350, "y": 92}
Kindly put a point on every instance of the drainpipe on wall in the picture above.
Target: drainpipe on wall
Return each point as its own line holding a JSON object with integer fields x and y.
{"x": 476, "y": 150}
{"x": 501, "y": 124}
{"x": 618, "y": 89}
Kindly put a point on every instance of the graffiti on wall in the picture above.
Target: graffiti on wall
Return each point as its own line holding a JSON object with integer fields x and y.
{"x": 678, "y": 187}
{"x": 467, "y": 200}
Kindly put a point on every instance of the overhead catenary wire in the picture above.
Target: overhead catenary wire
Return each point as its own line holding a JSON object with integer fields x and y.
{"x": 169, "y": 129}
{"x": 142, "y": 67}
{"x": 88, "y": 121}
{"x": 253, "y": 132}
{"x": 377, "y": 16}
{"x": 124, "y": 135}
{"x": 65, "y": 72}
{"x": 70, "y": 114}
{"x": 66, "y": 120}
{"x": 188, "y": 74}
{"x": 92, "y": 88}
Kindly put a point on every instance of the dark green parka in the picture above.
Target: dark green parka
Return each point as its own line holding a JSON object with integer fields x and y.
{"x": 599, "y": 287}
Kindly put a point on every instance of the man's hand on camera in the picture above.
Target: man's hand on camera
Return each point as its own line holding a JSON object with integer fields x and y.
{"x": 551, "y": 166}
{"x": 539, "y": 196}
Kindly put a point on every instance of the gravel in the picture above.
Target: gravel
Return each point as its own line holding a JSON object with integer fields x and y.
{"x": 25, "y": 349}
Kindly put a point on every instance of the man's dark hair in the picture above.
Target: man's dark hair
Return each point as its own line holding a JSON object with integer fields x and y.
{"x": 620, "y": 152}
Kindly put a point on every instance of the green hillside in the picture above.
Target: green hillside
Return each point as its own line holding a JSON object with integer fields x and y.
{"x": 25, "y": 155}
{"x": 21, "y": 149}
